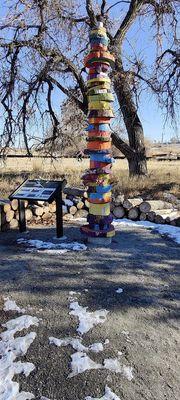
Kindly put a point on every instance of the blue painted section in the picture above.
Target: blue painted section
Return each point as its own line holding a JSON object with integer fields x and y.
{"x": 101, "y": 158}
{"x": 96, "y": 196}
{"x": 103, "y": 189}
{"x": 101, "y": 127}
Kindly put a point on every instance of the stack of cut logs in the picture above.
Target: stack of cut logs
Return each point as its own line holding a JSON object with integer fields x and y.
{"x": 158, "y": 211}
{"x": 76, "y": 206}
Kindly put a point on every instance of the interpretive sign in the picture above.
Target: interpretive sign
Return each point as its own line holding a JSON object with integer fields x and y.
{"x": 36, "y": 189}
{"x": 40, "y": 190}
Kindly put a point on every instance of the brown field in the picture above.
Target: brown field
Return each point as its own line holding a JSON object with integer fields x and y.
{"x": 162, "y": 175}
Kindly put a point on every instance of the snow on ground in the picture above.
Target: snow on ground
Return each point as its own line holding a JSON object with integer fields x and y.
{"x": 54, "y": 252}
{"x": 81, "y": 363}
{"x": 87, "y": 319}
{"x": 76, "y": 344}
{"x": 109, "y": 395}
{"x": 10, "y": 348}
{"x": 172, "y": 232}
{"x": 119, "y": 290}
{"x": 114, "y": 365}
{"x": 16, "y": 325}
{"x": 10, "y": 305}
{"x": 52, "y": 248}
{"x": 72, "y": 293}
{"x": 96, "y": 347}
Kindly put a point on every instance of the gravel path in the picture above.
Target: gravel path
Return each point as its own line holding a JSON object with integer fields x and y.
{"x": 141, "y": 323}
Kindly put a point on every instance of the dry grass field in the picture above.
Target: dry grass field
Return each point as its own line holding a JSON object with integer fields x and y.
{"x": 162, "y": 175}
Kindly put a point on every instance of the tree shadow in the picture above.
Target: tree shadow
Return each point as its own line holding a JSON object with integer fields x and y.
{"x": 143, "y": 264}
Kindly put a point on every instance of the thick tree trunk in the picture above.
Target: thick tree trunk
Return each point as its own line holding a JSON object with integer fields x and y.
{"x": 137, "y": 164}
{"x": 137, "y": 153}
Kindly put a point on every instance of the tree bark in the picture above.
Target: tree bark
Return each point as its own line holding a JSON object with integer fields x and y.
{"x": 136, "y": 154}
{"x": 137, "y": 164}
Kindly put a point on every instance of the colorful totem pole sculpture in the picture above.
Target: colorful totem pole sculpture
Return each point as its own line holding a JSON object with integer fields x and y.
{"x": 100, "y": 112}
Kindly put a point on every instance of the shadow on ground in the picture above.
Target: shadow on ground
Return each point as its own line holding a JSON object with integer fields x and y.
{"x": 142, "y": 263}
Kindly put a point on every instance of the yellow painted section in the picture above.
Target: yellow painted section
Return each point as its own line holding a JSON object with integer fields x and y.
{"x": 98, "y": 80}
{"x": 99, "y": 209}
{"x": 99, "y": 105}
{"x": 101, "y": 97}
{"x": 104, "y": 85}
{"x": 99, "y": 30}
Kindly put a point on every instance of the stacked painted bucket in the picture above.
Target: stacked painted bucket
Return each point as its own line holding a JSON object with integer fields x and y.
{"x": 100, "y": 112}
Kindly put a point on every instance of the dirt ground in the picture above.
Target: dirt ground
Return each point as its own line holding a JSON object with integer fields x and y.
{"x": 142, "y": 322}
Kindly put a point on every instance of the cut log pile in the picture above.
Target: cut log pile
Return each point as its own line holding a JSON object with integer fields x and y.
{"x": 75, "y": 205}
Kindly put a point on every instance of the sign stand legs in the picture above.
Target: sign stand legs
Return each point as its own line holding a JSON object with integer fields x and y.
{"x": 22, "y": 217}
{"x": 59, "y": 214}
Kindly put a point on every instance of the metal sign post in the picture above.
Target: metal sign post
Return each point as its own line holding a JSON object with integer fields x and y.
{"x": 22, "y": 216}
{"x": 59, "y": 214}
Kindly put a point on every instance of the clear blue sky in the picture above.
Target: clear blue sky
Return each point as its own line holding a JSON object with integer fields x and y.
{"x": 140, "y": 38}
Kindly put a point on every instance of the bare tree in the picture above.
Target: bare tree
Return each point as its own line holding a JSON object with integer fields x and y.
{"x": 42, "y": 45}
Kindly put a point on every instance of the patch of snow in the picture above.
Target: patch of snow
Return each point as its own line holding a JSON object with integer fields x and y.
{"x": 10, "y": 349}
{"x": 23, "y": 368}
{"x": 50, "y": 251}
{"x": 113, "y": 364}
{"x": 173, "y": 232}
{"x": 106, "y": 341}
{"x": 86, "y": 290}
{"x": 76, "y": 344}
{"x": 72, "y": 293}
{"x": 109, "y": 395}
{"x": 12, "y": 393}
{"x": 38, "y": 244}
{"x": 18, "y": 346}
{"x": 81, "y": 363}
{"x": 10, "y": 305}
{"x": 120, "y": 290}
{"x": 87, "y": 319}
{"x": 17, "y": 325}
{"x": 127, "y": 372}
{"x": 41, "y": 245}
{"x": 96, "y": 347}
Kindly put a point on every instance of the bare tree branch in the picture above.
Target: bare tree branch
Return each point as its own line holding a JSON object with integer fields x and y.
{"x": 115, "y": 4}
{"x": 90, "y": 12}
{"x": 103, "y": 5}
{"x": 135, "y": 6}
